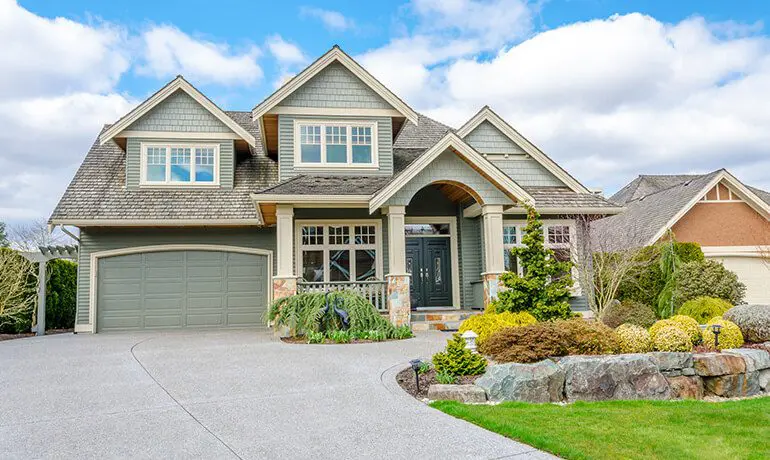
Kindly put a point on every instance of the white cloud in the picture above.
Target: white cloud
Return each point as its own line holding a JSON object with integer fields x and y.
{"x": 332, "y": 20}
{"x": 167, "y": 51}
{"x": 284, "y": 52}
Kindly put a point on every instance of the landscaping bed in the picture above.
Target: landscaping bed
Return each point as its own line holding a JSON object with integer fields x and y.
{"x": 407, "y": 381}
{"x": 32, "y": 334}
{"x": 304, "y": 341}
{"x": 630, "y": 429}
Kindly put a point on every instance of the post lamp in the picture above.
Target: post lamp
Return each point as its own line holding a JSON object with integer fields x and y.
{"x": 470, "y": 340}
{"x": 716, "y": 329}
{"x": 416, "y": 368}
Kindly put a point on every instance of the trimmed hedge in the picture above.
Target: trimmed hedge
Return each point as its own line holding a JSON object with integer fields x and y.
{"x": 706, "y": 278}
{"x": 61, "y": 294}
{"x": 703, "y": 308}
{"x": 729, "y": 337}
{"x": 486, "y": 324}
{"x": 633, "y": 339}
{"x": 628, "y": 312}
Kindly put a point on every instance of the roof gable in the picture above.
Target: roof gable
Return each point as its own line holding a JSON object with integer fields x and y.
{"x": 488, "y": 115}
{"x": 179, "y": 112}
{"x": 487, "y": 139}
{"x": 171, "y": 89}
{"x": 335, "y": 55}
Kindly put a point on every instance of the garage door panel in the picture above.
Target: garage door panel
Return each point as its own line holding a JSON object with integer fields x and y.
{"x": 754, "y": 272}
{"x": 181, "y": 289}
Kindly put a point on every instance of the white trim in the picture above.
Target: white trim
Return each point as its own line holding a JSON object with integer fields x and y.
{"x": 180, "y": 135}
{"x": 348, "y": 125}
{"x": 178, "y": 83}
{"x": 739, "y": 189}
{"x": 155, "y": 222}
{"x": 143, "y": 182}
{"x": 499, "y": 178}
{"x": 487, "y": 114}
{"x": 335, "y": 54}
{"x": 561, "y": 210}
{"x": 83, "y": 328}
{"x": 96, "y": 256}
{"x": 337, "y": 200}
{"x": 326, "y": 246}
{"x": 334, "y": 112}
{"x": 454, "y": 248}
{"x": 762, "y": 251}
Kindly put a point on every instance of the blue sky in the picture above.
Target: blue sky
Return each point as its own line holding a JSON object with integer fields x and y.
{"x": 609, "y": 89}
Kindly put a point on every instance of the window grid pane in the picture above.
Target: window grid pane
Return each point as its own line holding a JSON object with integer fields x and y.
{"x": 313, "y": 235}
{"x": 180, "y": 164}
{"x": 156, "y": 164}
{"x": 339, "y": 235}
{"x": 365, "y": 234}
{"x": 558, "y": 234}
{"x": 509, "y": 235}
{"x": 204, "y": 164}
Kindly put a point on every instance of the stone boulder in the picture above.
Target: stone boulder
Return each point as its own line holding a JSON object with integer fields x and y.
{"x": 671, "y": 361}
{"x": 461, "y": 393}
{"x": 538, "y": 383}
{"x": 733, "y": 385}
{"x": 602, "y": 378}
{"x": 686, "y": 387}
{"x": 754, "y": 321}
{"x": 764, "y": 380}
{"x": 756, "y": 360}
{"x": 716, "y": 364}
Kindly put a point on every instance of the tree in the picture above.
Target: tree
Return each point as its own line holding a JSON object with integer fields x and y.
{"x": 31, "y": 235}
{"x": 543, "y": 289}
{"x": 18, "y": 277}
{"x": 3, "y": 236}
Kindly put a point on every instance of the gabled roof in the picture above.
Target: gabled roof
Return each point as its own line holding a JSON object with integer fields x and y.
{"x": 179, "y": 83}
{"x": 465, "y": 151}
{"x": 487, "y": 114}
{"x": 647, "y": 184}
{"x": 648, "y": 217}
{"x": 334, "y": 55}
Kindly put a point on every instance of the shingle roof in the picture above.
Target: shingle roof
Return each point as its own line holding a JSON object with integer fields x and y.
{"x": 327, "y": 185}
{"x": 564, "y": 197}
{"x": 647, "y": 184}
{"x": 245, "y": 121}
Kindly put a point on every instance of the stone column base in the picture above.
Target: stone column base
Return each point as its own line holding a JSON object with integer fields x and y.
{"x": 399, "y": 304}
{"x": 492, "y": 286}
{"x": 284, "y": 286}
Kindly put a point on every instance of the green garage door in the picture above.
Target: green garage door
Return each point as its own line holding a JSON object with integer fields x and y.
{"x": 176, "y": 289}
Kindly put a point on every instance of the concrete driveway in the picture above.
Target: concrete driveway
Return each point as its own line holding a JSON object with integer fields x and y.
{"x": 223, "y": 394}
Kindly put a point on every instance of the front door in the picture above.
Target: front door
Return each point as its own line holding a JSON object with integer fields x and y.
{"x": 427, "y": 260}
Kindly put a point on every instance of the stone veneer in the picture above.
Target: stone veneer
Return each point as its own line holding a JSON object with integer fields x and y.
{"x": 399, "y": 305}
{"x": 492, "y": 286}
{"x": 284, "y": 286}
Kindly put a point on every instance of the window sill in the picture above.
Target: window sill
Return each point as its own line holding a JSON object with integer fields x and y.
{"x": 334, "y": 166}
{"x": 150, "y": 185}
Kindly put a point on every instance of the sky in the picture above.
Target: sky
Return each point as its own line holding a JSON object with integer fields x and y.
{"x": 610, "y": 89}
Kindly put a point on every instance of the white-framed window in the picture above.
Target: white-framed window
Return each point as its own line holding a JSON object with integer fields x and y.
{"x": 334, "y": 252}
{"x": 179, "y": 164}
{"x": 335, "y": 143}
{"x": 558, "y": 236}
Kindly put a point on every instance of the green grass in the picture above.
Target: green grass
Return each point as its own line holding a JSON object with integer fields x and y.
{"x": 630, "y": 429}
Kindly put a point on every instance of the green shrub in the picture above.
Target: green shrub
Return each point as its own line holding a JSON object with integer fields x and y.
{"x": 684, "y": 323}
{"x": 633, "y": 339}
{"x": 730, "y": 335}
{"x": 316, "y": 337}
{"x": 671, "y": 338}
{"x": 18, "y": 292}
{"x": 339, "y": 336}
{"x": 61, "y": 294}
{"x": 703, "y": 308}
{"x": 544, "y": 288}
{"x": 706, "y": 278}
{"x": 754, "y": 321}
{"x": 628, "y": 311}
{"x": 425, "y": 367}
{"x": 588, "y": 337}
{"x": 399, "y": 332}
{"x": 458, "y": 360}
{"x": 487, "y": 323}
{"x": 445, "y": 378}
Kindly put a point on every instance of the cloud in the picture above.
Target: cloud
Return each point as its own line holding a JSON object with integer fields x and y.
{"x": 332, "y": 20}
{"x": 167, "y": 52}
{"x": 284, "y": 52}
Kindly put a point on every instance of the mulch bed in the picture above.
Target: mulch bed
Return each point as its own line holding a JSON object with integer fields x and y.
{"x": 406, "y": 379}
{"x": 303, "y": 340}
{"x": 32, "y": 334}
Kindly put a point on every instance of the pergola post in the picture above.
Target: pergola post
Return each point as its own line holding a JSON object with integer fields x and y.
{"x": 41, "y": 284}
{"x": 42, "y": 257}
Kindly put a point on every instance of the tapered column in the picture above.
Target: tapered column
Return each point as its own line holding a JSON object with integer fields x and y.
{"x": 494, "y": 264}
{"x": 285, "y": 281}
{"x": 399, "y": 304}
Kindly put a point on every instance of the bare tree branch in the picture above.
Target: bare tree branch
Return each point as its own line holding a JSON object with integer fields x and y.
{"x": 30, "y": 236}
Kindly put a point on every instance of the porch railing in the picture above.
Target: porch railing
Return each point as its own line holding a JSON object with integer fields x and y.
{"x": 375, "y": 292}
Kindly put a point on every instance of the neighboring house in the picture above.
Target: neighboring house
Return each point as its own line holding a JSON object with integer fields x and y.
{"x": 730, "y": 220}
{"x": 194, "y": 216}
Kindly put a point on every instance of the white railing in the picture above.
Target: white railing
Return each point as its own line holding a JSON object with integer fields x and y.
{"x": 375, "y": 292}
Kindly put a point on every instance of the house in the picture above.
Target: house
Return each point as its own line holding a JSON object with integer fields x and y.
{"x": 730, "y": 220}
{"x": 192, "y": 216}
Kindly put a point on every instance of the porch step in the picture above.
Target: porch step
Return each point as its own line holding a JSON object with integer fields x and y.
{"x": 440, "y": 320}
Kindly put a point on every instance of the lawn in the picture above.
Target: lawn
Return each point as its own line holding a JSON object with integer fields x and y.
{"x": 630, "y": 429}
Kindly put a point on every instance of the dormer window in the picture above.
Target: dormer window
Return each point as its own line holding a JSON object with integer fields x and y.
{"x": 179, "y": 164}
{"x": 337, "y": 144}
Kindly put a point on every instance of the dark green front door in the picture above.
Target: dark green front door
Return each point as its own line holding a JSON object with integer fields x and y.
{"x": 428, "y": 261}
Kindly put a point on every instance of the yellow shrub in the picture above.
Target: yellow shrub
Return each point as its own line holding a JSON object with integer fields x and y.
{"x": 671, "y": 338}
{"x": 684, "y": 323}
{"x": 658, "y": 326}
{"x": 729, "y": 337}
{"x": 485, "y": 324}
{"x": 633, "y": 338}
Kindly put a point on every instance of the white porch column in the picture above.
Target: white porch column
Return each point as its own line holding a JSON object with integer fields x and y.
{"x": 494, "y": 264}
{"x": 399, "y": 304}
{"x": 285, "y": 281}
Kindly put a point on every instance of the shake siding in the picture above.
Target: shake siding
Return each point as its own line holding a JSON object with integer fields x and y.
{"x": 335, "y": 87}
{"x": 286, "y": 166}
{"x": 470, "y": 258}
{"x": 133, "y": 159}
{"x": 488, "y": 139}
{"x": 93, "y": 240}
{"x": 179, "y": 112}
{"x": 527, "y": 172}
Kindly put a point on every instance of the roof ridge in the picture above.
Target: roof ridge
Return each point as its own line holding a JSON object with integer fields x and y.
{"x": 685, "y": 183}
{"x": 283, "y": 182}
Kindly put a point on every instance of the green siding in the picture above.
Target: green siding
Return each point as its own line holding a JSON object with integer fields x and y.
{"x": 526, "y": 171}
{"x": 95, "y": 240}
{"x": 471, "y": 264}
{"x": 287, "y": 169}
{"x": 226, "y": 159}
{"x": 449, "y": 166}
{"x": 335, "y": 87}
{"x": 487, "y": 139}
{"x": 179, "y": 113}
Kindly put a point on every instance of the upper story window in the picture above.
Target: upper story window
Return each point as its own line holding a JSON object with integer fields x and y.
{"x": 336, "y": 144}
{"x": 179, "y": 164}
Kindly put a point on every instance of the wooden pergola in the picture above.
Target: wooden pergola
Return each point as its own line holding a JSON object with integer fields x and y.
{"x": 42, "y": 257}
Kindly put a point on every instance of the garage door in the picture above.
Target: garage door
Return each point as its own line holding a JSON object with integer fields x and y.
{"x": 177, "y": 289}
{"x": 754, "y": 272}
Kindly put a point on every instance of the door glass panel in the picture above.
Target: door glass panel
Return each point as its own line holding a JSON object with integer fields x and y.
{"x": 339, "y": 265}
{"x": 438, "y": 270}
{"x": 365, "y": 264}
{"x": 426, "y": 229}
{"x": 313, "y": 265}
